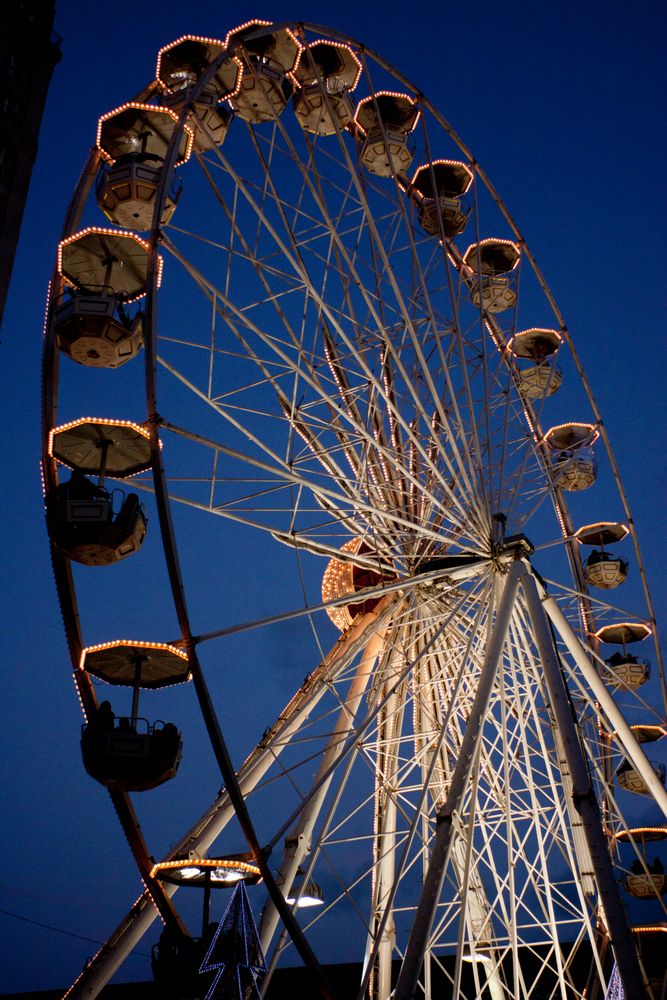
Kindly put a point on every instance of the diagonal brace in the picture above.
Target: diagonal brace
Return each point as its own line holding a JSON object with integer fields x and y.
{"x": 414, "y": 956}
{"x": 584, "y": 797}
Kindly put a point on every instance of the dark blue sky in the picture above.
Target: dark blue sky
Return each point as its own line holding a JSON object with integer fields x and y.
{"x": 561, "y": 104}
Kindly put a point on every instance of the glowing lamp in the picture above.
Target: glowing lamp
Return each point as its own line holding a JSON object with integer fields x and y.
{"x": 216, "y": 873}
{"x": 309, "y": 895}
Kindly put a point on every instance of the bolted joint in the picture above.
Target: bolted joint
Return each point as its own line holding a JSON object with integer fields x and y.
{"x": 584, "y": 798}
{"x": 300, "y": 841}
{"x": 518, "y": 545}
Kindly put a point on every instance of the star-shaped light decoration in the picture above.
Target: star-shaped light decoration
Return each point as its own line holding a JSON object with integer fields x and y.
{"x": 615, "y": 988}
{"x": 235, "y": 954}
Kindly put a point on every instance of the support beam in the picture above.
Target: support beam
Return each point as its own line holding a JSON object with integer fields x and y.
{"x": 622, "y": 731}
{"x": 298, "y": 842}
{"x": 414, "y": 956}
{"x": 583, "y": 796}
{"x": 386, "y": 812}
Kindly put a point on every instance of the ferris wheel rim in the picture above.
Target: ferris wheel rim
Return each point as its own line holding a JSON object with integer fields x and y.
{"x": 86, "y": 180}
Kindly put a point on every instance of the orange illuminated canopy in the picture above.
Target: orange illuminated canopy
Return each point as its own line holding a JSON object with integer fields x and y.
{"x": 568, "y": 437}
{"x": 601, "y": 533}
{"x": 535, "y": 344}
{"x": 644, "y": 733}
{"x": 622, "y": 633}
{"x": 114, "y": 261}
{"x": 184, "y": 61}
{"x": 344, "y": 577}
{"x": 98, "y": 446}
{"x": 642, "y": 833}
{"x": 155, "y": 664}
{"x": 388, "y": 109}
{"x": 333, "y": 63}
{"x": 145, "y": 129}
{"x": 216, "y": 873}
{"x": 442, "y": 179}
{"x": 492, "y": 256}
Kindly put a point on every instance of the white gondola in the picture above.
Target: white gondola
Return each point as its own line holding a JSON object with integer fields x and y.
{"x": 438, "y": 188}
{"x": 268, "y": 59}
{"x": 489, "y": 267}
{"x": 536, "y": 372}
{"x": 603, "y": 569}
{"x": 385, "y": 121}
{"x": 574, "y": 467}
{"x": 327, "y": 74}
{"x": 631, "y": 780}
{"x": 128, "y": 753}
{"x": 133, "y": 140}
{"x": 645, "y": 879}
{"x": 180, "y": 66}
{"x": 623, "y": 669}
{"x": 97, "y": 322}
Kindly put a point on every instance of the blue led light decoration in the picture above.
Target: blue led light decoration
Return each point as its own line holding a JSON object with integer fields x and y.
{"x": 235, "y": 954}
{"x": 615, "y": 988}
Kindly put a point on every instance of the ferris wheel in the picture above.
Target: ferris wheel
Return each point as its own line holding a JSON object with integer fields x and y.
{"x": 290, "y": 311}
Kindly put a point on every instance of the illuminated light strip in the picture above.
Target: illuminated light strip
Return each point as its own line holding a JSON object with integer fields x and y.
{"x": 493, "y": 241}
{"x": 189, "y": 131}
{"x": 650, "y": 929}
{"x": 352, "y": 546}
{"x": 106, "y": 231}
{"x": 447, "y": 163}
{"x": 242, "y": 866}
{"x": 639, "y": 830}
{"x": 78, "y": 692}
{"x": 155, "y": 109}
{"x": 633, "y": 625}
{"x": 387, "y": 93}
{"x": 130, "y": 642}
{"x": 45, "y": 330}
{"x": 334, "y": 45}
{"x": 239, "y": 79}
{"x": 105, "y": 946}
{"x": 246, "y": 24}
{"x": 107, "y": 421}
{"x": 338, "y": 582}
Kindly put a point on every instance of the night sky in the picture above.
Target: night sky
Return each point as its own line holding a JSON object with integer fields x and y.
{"x": 561, "y": 106}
